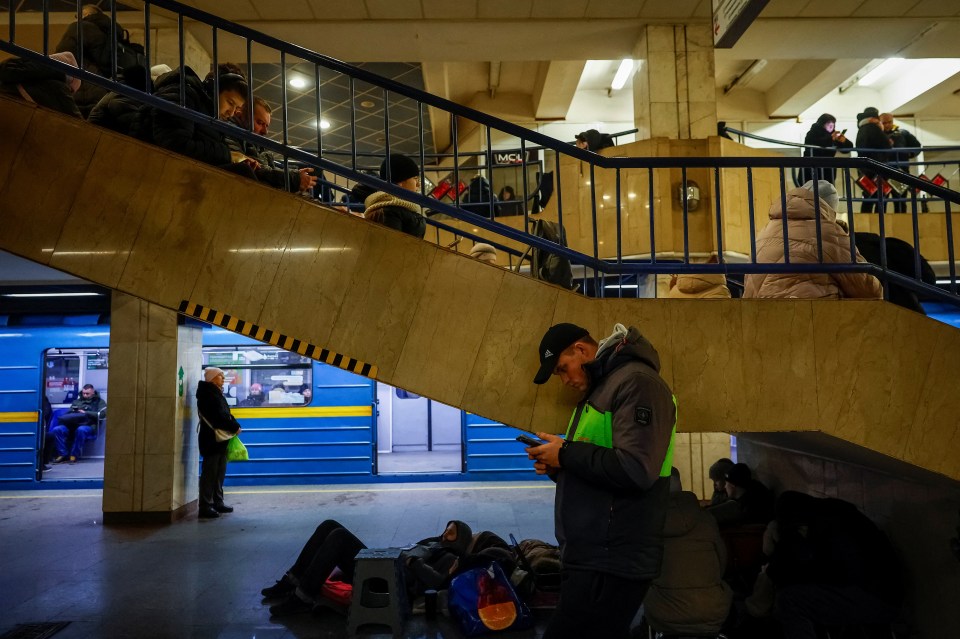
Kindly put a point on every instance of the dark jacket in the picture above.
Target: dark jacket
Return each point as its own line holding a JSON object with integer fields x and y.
{"x": 755, "y": 506}
{"x": 903, "y": 139}
{"x": 398, "y": 214}
{"x": 90, "y": 407}
{"x": 900, "y": 259}
{"x": 181, "y": 135}
{"x": 45, "y": 86}
{"x": 871, "y": 136}
{"x": 213, "y": 405}
{"x": 689, "y": 597}
{"x": 269, "y": 172}
{"x": 118, "y": 113}
{"x": 96, "y": 54}
{"x": 829, "y": 542}
{"x": 431, "y": 562}
{"x": 819, "y": 136}
{"x": 612, "y": 490}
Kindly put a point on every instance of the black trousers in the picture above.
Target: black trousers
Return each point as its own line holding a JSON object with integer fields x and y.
{"x": 213, "y": 469}
{"x": 801, "y": 609}
{"x": 595, "y": 604}
{"x": 330, "y": 546}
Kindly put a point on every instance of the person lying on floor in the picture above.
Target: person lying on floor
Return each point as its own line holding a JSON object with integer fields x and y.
{"x": 428, "y": 564}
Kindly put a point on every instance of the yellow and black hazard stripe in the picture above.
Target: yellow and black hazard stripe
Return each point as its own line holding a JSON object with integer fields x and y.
{"x": 263, "y": 334}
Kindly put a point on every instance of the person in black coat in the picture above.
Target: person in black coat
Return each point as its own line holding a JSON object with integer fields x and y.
{"x": 900, "y": 259}
{"x": 900, "y": 139}
{"x": 41, "y": 84}
{"x": 749, "y": 501}
{"x": 116, "y": 111}
{"x": 872, "y": 143}
{"x": 214, "y": 413}
{"x": 94, "y": 26}
{"x": 831, "y": 566}
{"x": 384, "y": 208}
{"x": 823, "y": 133}
{"x": 186, "y": 137}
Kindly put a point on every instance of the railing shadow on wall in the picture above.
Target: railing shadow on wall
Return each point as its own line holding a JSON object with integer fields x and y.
{"x": 625, "y": 217}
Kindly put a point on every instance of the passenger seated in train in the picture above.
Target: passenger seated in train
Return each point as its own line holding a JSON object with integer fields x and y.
{"x": 35, "y": 82}
{"x": 749, "y": 501}
{"x": 186, "y": 136}
{"x": 428, "y": 564}
{"x": 830, "y": 566}
{"x": 254, "y": 398}
{"x": 384, "y": 208}
{"x": 802, "y": 231}
{"x": 79, "y": 423}
{"x": 689, "y": 597}
{"x": 699, "y": 285}
{"x": 718, "y": 475}
{"x": 269, "y": 170}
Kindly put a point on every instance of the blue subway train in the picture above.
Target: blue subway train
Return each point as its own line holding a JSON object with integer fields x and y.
{"x": 304, "y": 422}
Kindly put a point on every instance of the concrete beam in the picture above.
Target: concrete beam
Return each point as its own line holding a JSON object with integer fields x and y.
{"x": 806, "y": 83}
{"x": 555, "y": 87}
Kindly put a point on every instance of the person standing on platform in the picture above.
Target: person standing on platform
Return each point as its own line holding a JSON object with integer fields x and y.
{"x": 824, "y": 134}
{"x": 214, "y": 414}
{"x": 612, "y": 473}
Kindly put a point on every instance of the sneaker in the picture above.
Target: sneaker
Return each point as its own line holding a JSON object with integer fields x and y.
{"x": 73, "y": 460}
{"x": 47, "y": 467}
{"x": 59, "y": 459}
{"x": 280, "y": 589}
{"x": 208, "y": 513}
{"x": 223, "y": 508}
{"x": 292, "y": 605}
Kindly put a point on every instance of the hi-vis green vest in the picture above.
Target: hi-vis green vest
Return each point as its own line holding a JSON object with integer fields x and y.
{"x": 596, "y": 427}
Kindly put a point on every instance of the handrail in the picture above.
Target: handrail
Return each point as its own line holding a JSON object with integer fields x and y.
{"x": 899, "y": 149}
{"x": 530, "y": 140}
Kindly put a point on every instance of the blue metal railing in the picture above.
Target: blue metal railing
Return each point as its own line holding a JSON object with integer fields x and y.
{"x": 595, "y": 262}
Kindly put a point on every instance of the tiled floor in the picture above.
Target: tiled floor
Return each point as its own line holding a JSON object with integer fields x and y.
{"x": 203, "y": 578}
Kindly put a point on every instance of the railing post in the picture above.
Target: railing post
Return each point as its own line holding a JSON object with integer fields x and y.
{"x": 850, "y": 215}
{"x": 716, "y": 200}
{"x": 46, "y": 25}
{"x": 653, "y": 225}
{"x": 751, "y": 211}
{"x": 816, "y": 215}
{"x": 146, "y": 43}
{"x": 593, "y": 210}
{"x": 783, "y": 217}
{"x": 686, "y": 211}
{"x": 286, "y": 119}
{"x": 950, "y": 249}
{"x": 180, "y": 48}
{"x": 353, "y": 125}
{"x": 619, "y": 239}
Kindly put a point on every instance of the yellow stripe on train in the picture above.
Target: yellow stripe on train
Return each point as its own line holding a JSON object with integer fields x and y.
{"x": 318, "y": 411}
{"x": 22, "y": 416}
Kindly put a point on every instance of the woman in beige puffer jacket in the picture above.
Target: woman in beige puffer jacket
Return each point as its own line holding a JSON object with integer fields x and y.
{"x": 802, "y": 231}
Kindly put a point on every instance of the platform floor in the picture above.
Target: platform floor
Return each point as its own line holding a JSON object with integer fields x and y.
{"x": 203, "y": 578}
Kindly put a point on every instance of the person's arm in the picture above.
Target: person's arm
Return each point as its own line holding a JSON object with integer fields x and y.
{"x": 912, "y": 143}
{"x": 216, "y": 411}
{"x": 836, "y": 248}
{"x": 180, "y": 135}
{"x": 643, "y": 419}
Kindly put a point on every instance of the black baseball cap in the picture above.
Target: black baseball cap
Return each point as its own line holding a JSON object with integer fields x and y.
{"x": 556, "y": 340}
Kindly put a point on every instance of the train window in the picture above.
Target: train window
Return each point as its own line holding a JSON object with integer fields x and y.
{"x": 262, "y": 376}
{"x": 66, "y": 371}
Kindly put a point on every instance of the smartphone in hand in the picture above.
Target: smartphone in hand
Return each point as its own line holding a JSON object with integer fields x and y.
{"x": 529, "y": 441}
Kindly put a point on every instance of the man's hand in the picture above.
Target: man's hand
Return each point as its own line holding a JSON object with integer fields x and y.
{"x": 307, "y": 180}
{"x": 546, "y": 456}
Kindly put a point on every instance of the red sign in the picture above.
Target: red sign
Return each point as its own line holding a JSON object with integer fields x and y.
{"x": 939, "y": 180}
{"x": 868, "y": 185}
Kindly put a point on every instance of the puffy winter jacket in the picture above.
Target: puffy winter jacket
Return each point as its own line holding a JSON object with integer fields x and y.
{"x": 689, "y": 597}
{"x": 802, "y": 233}
{"x": 702, "y": 286}
{"x": 398, "y": 214}
{"x": 213, "y": 406}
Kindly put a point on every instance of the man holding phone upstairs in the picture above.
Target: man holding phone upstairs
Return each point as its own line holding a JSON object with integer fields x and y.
{"x": 612, "y": 473}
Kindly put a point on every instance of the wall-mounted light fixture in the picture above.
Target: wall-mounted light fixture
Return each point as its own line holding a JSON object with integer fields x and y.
{"x": 690, "y": 193}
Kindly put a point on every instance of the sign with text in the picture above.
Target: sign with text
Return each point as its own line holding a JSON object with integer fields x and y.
{"x": 731, "y": 19}
{"x": 514, "y": 156}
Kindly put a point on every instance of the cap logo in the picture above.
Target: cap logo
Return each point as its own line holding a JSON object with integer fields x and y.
{"x": 547, "y": 354}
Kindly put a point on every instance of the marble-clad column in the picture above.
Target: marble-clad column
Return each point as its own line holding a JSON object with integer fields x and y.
{"x": 674, "y": 91}
{"x": 150, "y": 468}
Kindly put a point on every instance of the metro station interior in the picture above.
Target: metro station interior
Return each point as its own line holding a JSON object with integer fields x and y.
{"x": 381, "y": 378}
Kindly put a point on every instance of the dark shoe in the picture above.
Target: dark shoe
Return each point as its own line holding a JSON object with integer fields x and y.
{"x": 282, "y": 588}
{"x": 47, "y": 467}
{"x": 73, "y": 460}
{"x": 208, "y": 513}
{"x": 223, "y": 508}
{"x": 59, "y": 459}
{"x": 292, "y": 605}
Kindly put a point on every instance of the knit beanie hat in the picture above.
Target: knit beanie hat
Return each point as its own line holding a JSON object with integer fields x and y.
{"x": 67, "y": 58}
{"x": 484, "y": 253}
{"x": 828, "y": 193}
{"x": 210, "y": 373}
{"x": 401, "y": 168}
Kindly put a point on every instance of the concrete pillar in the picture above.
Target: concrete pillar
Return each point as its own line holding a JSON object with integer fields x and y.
{"x": 151, "y": 460}
{"x": 674, "y": 91}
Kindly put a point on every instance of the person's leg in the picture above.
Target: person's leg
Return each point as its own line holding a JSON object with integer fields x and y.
{"x": 867, "y": 203}
{"x": 208, "y": 481}
{"x": 802, "y": 608}
{"x": 80, "y": 438}
{"x": 338, "y": 550}
{"x": 313, "y": 546}
{"x": 60, "y": 436}
{"x": 594, "y": 604}
{"x": 221, "y": 475}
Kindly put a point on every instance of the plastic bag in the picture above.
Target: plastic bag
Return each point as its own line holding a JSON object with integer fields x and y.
{"x": 482, "y": 600}
{"x": 236, "y": 451}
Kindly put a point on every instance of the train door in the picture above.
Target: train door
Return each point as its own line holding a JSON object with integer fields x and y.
{"x": 66, "y": 371}
{"x": 416, "y": 434}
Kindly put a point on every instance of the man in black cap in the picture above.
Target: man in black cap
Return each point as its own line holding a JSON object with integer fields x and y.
{"x": 612, "y": 473}
{"x": 872, "y": 143}
{"x": 389, "y": 210}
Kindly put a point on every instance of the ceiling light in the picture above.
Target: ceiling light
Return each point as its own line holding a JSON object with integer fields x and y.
{"x": 368, "y": 104}
{"x": 51, "y": 294}
{"x": 623, "y": 286}
{"x": 324, "y": 124}
{"x": 297, "y": 82}
{"x": 880, "y": 71}
{"x": 623, "y": 73}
